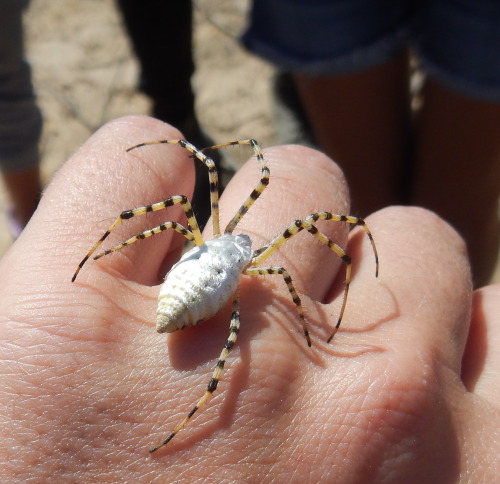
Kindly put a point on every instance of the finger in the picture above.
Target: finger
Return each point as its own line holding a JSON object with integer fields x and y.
{"x": 423, "y": 295}
{"x": 302, "y": 181}
{"x": 102, "y": 180}
{"x": 403, "y": 337}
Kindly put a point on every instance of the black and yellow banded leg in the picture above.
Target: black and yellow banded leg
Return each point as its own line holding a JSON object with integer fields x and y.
{"x": 148, "y": 233}
{"x": 253, "y": 271}
{"x": 234, "y": 329}
{"x": 257, "y": 191}
{"x": 213, "y": 176}
{"x": 349, "y": 219}
{"x": 128, "y": 214}
{"x": 262, "y": 254}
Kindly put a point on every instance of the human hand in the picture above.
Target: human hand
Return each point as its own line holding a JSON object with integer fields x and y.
{"x": 88, "y": 386}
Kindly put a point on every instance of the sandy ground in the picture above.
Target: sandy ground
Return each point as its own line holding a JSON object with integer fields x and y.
{"x": 85, "y": 74}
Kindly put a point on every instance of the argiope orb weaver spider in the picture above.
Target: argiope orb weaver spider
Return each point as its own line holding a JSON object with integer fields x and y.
{"x": 207, "y": 276}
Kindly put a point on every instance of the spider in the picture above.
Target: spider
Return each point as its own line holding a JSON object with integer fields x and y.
{"x": 207, "y": 276}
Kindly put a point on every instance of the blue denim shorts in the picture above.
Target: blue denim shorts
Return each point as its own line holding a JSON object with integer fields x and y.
{"x": 458, "y": 41}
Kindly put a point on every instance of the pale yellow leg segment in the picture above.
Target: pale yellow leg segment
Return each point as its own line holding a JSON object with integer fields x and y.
{"x": 262, "y": 254}
{"x": 128, "y": 214}
{"x": 234, "y": 329}
{"x": 253, "y": 271}
{"x": 213, "y": 176}
{"x": 264, "y": 181}
{"x": 148, "y": 233}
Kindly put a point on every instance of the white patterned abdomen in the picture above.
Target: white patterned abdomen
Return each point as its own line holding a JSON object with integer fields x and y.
{"x": 202, "y": 282}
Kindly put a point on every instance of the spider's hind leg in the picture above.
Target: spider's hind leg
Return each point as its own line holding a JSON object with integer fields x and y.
{"x": 234, "y": 329}
{"x": 253, "y": 271}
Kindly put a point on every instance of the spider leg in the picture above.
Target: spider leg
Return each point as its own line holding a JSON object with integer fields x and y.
{"x": 257, "y": 191}
{"x": 148, "y": 233}
{"x": 213, "y": 176}
{"x": 254, "y": 271}
{"x": 234, "y": 329}
{"x": 307, "y": 224}
{"x": 128, "y": 214}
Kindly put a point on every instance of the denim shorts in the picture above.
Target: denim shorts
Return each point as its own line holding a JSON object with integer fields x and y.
{"x": 458, "y": 41}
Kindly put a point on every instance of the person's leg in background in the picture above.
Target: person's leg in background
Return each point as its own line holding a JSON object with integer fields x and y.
{"x": 20, "y": 121}
{"x": 349, "y": 62}
{"x": 363, "y": 121}
{"x": 457, "y": 170}
{"x": 161, "y": 34}
{"x": 457, "y": 156}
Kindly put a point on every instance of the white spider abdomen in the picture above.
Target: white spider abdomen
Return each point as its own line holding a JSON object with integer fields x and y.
{"x": 202, "y": 282}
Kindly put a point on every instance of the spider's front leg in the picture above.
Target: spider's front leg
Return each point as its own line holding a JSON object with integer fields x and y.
{"x": 193, "y": 234}
{"x": 263, "y": 253}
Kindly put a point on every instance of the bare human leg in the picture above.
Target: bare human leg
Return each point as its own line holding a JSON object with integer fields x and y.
{"x": 457, "y": 170}
{"x": 24, "y": 189}
{"x": 363, "y": 121}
